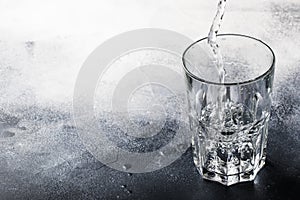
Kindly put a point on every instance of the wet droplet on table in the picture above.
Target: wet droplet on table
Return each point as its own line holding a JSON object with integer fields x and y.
{"x": 129, "y": 191}
{"x": 126, "y": 166}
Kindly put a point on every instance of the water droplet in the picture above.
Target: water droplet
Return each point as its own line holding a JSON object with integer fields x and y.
{"x": 126, "y": 166}
{"x": 129, "y": 191}
{"x": 125, "y": 189}
{"x": 129, "y": 174}
{"x": 118, "y": 197}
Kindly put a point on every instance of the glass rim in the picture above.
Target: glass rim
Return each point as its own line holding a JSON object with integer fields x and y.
{"x": 192, "y": 75}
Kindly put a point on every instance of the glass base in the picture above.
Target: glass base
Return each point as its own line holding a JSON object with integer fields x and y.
{"x": 232, "y": 179}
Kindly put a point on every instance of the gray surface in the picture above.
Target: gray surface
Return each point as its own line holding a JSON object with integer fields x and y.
{"x": 77, "y": 175}
{"x": 41, "y": 155}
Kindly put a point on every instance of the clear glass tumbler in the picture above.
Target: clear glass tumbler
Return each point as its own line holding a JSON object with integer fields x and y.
{"x": 229, "y": 120}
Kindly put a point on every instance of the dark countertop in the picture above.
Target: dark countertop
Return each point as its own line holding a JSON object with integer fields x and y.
{"x": 83, "y": 177}
{"x": 42, "y": 156}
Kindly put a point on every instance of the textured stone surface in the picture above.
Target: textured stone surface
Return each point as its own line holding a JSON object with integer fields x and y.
{"x": 42, "y": 47}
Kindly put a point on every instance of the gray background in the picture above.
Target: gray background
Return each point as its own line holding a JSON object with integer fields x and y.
{"x": 42, "y": 47}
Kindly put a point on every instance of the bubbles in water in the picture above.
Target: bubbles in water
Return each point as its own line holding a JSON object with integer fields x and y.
{"x": 222, "y": 152}
{"x": 246, "y": 151}
{"x": 231, "y": 146}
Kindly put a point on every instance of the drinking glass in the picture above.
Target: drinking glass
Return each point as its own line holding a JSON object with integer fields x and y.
{"x": 229, "y": 120}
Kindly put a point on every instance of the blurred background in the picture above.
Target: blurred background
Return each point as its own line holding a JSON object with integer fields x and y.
{"x": 53, "y": 38}
{"x": 42, "y": 47}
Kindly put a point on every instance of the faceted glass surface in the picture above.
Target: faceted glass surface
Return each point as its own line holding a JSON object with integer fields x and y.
{"x": 229, "y": 121}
